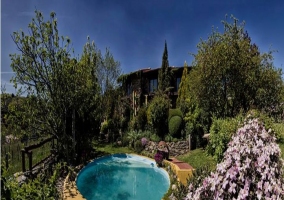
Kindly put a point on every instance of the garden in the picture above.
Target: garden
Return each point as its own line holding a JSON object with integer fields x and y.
{"x": 236, "y": 98}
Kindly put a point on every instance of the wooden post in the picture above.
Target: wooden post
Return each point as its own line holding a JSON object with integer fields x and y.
{"x": 23, "y": 160}
{"x": 30, "y": 153}
{"x": 146, "y": 100}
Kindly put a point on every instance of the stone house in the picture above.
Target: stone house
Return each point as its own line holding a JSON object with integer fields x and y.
{"x": 139, "y": 87}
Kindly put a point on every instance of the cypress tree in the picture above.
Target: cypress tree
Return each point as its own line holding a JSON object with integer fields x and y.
{"x": 164, "y": 78}
{"x": 183, "y": 91}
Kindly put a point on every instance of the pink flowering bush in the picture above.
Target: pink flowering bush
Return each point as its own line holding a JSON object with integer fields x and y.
{"x": 144, "y": 141}
{"x": 252, "y": 168}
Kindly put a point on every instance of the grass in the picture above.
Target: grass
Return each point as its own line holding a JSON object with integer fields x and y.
{"x": 198, "y": 158}
{"x": 110, "y": 149}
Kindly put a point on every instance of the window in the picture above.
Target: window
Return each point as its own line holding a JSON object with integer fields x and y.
{"x": 178, "y": 82}
{"x": 129, "y": 89}
{"x": 153, "y": 86}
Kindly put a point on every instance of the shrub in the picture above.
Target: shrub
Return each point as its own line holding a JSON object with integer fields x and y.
{"x": 268, "y": 123}
{"x": 195, "y": 180}
{"x": 157, "y": 114}
{"x": 279, "y": 130}
{"x": 159, "y": 158}
{"x": 175, "y": 112}
{"x": 251, "y": 168}
{"x": 175, "y": 125}
{"x": 133, "y": 125}
{"x": 155, "y": 138}
{"x": 141, "y": 118}
{"x": 144, "y": 141}
{"x": 133, "y": 136}
{"x": 221, "y": 132}
{"x": 104, "y": 127}
{"x": 169, "y": 138}
{"x": 43, "y": 186}
{"x": 138, "y": 147}
{"x": 146, "y": 134}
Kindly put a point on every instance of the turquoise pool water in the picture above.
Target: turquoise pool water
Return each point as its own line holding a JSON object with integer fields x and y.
{"x": 122, "y": 177}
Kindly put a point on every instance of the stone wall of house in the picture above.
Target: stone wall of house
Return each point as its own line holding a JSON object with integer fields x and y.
{"x": 176, "y": 148}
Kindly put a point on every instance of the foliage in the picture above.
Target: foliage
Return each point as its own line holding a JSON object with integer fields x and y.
{"x": 279, "y": 130}
{"x": 64, "y": 94}
{"x": 195, "y": 180}
{"x": 268, "y": 122}
{"x": 221, "y": 132}
{"x": 175, "y": 126}
{"x": 138, "y": 147}
{"x": 159, "y": 157}
{"x": 183, "y": 91}
{"x": 144, "y": 141}
{"x": 251, "y": 169}
{"x": 165, "y": 73}
{"x": 14, "y": 155}
{"x": 198, "y": 158}
{"x": 157, "y": 114}
{"x": 133, "y": 124}
{"x": 175, "y": 112}
{"x": 169, "y": 138}
{"x": 196, "y": 123}
{"x": 133, "y": 136}
{"x": 104, "y": 127}
{"x": 41, "y": 187}
{"x": 155, "y": 138}
{"x": 230, "y": 74}
{"x": 142, "y": 118}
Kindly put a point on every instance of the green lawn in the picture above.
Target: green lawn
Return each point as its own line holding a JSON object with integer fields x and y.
{"x": 198, "y": 158}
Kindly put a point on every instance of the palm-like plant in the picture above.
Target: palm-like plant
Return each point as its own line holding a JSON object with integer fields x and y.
{"x": 133, "y": 136}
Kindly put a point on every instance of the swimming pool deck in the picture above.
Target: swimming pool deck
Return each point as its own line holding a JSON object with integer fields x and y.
{"x": 182, "y": 170}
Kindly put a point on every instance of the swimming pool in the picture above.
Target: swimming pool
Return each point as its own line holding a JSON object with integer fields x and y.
{"x": 122, "y": 177}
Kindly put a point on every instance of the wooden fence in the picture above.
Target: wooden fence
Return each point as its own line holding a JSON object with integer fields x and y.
{"x": 15, "y": 153}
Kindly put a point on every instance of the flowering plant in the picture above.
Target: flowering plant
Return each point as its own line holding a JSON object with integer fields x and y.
{"x": 159, "y": 157}
{"x": 251, "y": 169}
{"x": 144, "y": 141}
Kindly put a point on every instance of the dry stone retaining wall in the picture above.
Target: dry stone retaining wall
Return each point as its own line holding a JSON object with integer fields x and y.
{"x": 176, "y": 148}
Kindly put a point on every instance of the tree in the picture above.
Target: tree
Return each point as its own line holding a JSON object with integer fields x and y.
{"x": 165, "y": 74}
{"x": 64, "y": 92}
{"x": 230, "y": 74}
{"x": 157, "y": 114}
{"x": 183, "y": 91}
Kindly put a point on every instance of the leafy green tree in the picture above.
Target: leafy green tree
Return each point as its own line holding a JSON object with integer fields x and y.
{"x": 165, "y": 73}
{"x": 64, "y": 93}
{"x": 230, "y": 74}
{"x": 157, "y": 114}
{"x": 195, "y": 119}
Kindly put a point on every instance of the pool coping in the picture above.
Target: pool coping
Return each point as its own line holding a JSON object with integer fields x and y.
{"x": 181, "y": 169}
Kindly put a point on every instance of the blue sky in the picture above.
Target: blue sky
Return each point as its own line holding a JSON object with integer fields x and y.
{"x": 135, "y": 31}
